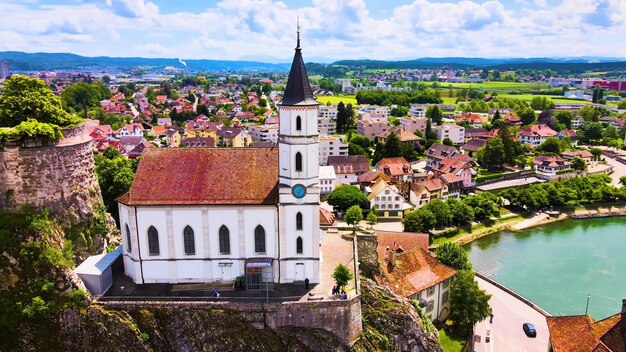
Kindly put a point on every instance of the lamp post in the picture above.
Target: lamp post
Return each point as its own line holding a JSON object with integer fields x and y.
{"x": 587, "y": 307}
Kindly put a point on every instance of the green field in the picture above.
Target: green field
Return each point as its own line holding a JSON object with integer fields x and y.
{"x": 447, "y": 100}
{"x": 335, "y": 99}
{"x": 554, "y": 98}
{"x": 506, "y": 86}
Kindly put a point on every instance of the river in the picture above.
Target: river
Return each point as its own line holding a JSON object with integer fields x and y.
{"x": 558, "y": 264}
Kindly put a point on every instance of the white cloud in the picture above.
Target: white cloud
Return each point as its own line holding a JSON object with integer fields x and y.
{"x": 337, "y": 29}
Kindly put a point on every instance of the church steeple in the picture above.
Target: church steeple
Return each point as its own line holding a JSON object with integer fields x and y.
{"x": 298, "y": 90}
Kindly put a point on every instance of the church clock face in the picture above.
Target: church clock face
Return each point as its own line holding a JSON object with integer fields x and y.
{"x": 298, "y": 191}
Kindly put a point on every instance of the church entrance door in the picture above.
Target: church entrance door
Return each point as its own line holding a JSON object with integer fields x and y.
{"x": 299, "y": 272}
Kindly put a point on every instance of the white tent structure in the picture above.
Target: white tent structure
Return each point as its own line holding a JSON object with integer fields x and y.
{"x": 96, "y": 271}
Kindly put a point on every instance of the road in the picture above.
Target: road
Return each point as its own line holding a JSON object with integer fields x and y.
{"x": 619, "y": 170}
{"x": 506, "y": 330}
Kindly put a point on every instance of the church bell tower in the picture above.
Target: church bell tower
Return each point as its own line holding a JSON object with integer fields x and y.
{"x": 299, "y": 196}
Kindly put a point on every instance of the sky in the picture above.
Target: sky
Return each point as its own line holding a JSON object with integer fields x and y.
{"x": 265, "y": 30}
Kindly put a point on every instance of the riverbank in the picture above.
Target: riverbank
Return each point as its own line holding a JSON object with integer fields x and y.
{"x": 518, "y": 222}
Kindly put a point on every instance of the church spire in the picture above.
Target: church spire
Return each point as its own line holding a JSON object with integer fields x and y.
{"x": 298, "y": 90}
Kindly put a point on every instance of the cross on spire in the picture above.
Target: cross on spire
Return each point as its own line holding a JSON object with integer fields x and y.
{"x": 298, "y": 31}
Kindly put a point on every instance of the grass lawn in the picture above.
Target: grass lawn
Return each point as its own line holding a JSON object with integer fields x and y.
{"x": 507, "y": 86}
{"x": 447, "y": 100}
{"x": 335, "y": 99}
{"x": 464, "y": 234}
{"x": 450, "y": 343}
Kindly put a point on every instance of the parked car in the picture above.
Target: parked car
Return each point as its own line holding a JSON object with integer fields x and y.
{"x": 529, "y": 330}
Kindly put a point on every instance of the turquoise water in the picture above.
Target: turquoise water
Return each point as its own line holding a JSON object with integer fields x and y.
{"x": 558, "y": 264}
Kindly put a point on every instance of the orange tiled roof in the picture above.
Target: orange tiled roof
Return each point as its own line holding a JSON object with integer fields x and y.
{"x": 195, "y": 176}
{"x": 415, "y": 271}
{"x": 407, "y": 240}
{"x": 582, "y": 333}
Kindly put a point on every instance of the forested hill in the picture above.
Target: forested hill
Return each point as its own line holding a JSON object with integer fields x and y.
{"x": 571, "y": 65}
{"x": 20, "y": 61}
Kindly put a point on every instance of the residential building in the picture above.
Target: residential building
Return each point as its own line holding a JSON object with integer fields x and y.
{"x": 233, "y": 137}
{"x": 577, "y": 122}
{"x": 536, "y": 134}
{"x": 375, "y": 109}
{"x": 372, "y": 125}
{"x": 551, "y": 164}
{"x": 348, "y": 167}
{"x": 583, "y": 154}
{"x": 402, "y": 134}
{"x": 386, "y": 198}
{"x": 133, "y": 129}
{"x": 418, "y": 111}
{"x": 455, "y": 133}
{"x": 413, "y": 124}
{"x": 475, "y": 120}
{"x": 326, "y": 126}
{"x": 327, "y": 179}
{"x": 473, "y": 145}
{"x": 198, "y": 142}
{"x": 460, "y": 165}
{"x": 369, "y": 178}
{"x": 582, "y": 333}
{"x": 397, "y": 169}
{"x": 328, "y": 112}
{"x": 216, "y": 216}
{"x": 479, "y": 133}
{"x": 410, "y": 271}
{"x": 264, "y": 133}
{"x": 437, "y": 152}
{"x": 331, "y": 146}
{"x": 174, "y": 136}
{"x": 442, "y": 187}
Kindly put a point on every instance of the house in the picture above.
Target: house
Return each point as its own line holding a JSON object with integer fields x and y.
{"x": 479, "y": 133}
{"x": 331, "y": 146}
{"x": 348, "y": 167}
{"x": 233, "y": 137}
{"x": 582, "y": 333}
{"x": 473, "y": 145}
{"x": 174, "y": 136}
{"x": 411, "y": 272}
{"x": 438, "y": 152}
{"x": 512, "y": 120}
{"x": 398, "y": 169}
{"x": 474, "y": 120}
{"x": 383, "y": 111}
{"x": 577, "y": 122}
{"x": 387, "y": 200}
{"x": 404, "y": 135}
{"x": 418, "y": 111}
{"x": 327, "y": 179}
{"x": 210, "y": 215}
{"x": 571, "y": 134}
{"x": 442, "y": 187}
{"x": 99, "y": 132}
{"x": 369, "y": 178}
{"x": 461, "y": 166}
{"x": 133, "y": 129}
{"x": 551, "y": 164}
{"x": 536, "y": 134}
{"x": 413, "y": 124}
{"x": 455, "y": 133}
{"x": 583, "y": 154}
{"x": 198, "y": 142}
{"x": 139, "y": 149}
{"x": 160, "y": 99}
{"x": 164, "y": 121}
{"x": 130, "y": 142}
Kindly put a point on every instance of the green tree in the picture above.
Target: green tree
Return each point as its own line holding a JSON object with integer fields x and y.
{"x": 353, "y": 216}
{"x": 115, "y": 175}
{"x": 468, "y": 303}
{"x": 441, "y": 211}
{"x": 492, "y": 155}
{"x": 462, "y": 214}
{"x": 447, "y": 141}
{"x": 527, "y": 116}
{"x": 435, "y": 114}
{"x": 420, "y": 220}
{"x": 345, "y": 196}
{"x": 453, "y": 255}
{"x": 565, "y": 118}
{"x": 106, "y": 79}
{"x": 622, "y": 181}
{"x": 579, "y": 164}
{"x": 622, "y": 104}
{"x": 82, "y": 96}
{"x": 551, "y": 145}
{"x": 342, "y": 275}
{"x": 371, "y": 217}
{"x": 30, "y": 98}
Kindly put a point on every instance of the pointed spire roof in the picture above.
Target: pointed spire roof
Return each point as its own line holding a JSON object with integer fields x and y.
{"x": 298, "y": 90}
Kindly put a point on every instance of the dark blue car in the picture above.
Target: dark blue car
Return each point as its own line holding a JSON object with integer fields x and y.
{"x": 529, "y": 330}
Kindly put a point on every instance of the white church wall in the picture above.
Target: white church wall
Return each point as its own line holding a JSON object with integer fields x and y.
{"x": 182, "y": 217}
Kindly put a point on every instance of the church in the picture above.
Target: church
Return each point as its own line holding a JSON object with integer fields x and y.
{"x": 205, "y": 215}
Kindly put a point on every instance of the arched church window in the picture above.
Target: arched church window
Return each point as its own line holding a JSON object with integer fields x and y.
{"x": 129, "y": 245}
{"x": 299, "y": 245}
{"x": 299, "y": 221}
{"x": 259, "y": 239}
{"x": 224, "y": 240}
{"x": 189, "y": 240}
{"x": 298, "y": 123}
{"x": 298, "y": 162}
{"x": 153, "y": 241}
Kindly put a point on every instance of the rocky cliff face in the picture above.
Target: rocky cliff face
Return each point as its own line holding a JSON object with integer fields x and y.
{"x": 391, "y": 323}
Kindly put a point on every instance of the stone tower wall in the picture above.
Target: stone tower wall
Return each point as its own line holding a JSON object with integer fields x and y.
{"x": 57, "y": 176}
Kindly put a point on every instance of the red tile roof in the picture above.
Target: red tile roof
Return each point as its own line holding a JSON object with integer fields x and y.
{"x": 415, "y": 271}
{"x": 538, "y": 131}
{"x": 581, "y": 333}
{"x": 406, "y": 240}
{"x": 194, "y": 176}
{"x": 394, "y": 167}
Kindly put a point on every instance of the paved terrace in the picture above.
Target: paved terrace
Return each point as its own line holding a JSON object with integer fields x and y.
{"x": 334, "y": 249}
{"x": 509, "y": 313}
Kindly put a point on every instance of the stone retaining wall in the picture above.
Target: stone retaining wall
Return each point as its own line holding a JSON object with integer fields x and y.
{"x": 59, "y": 177}
{"x": 342, "y": 318}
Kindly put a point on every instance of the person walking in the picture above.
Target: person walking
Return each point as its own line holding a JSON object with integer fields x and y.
{"x": 306, "y": 283}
